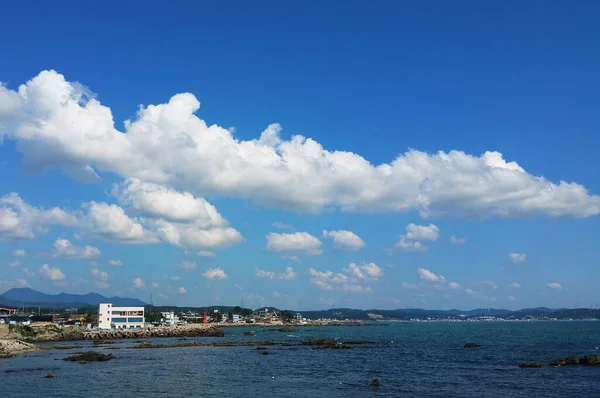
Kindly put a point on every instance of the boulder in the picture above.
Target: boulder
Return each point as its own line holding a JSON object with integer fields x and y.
{"x": 48, "y": 376}
{"x": 287, "y": 329}
{"x": 265, "y": 353}
{"x": 558, "y": 362}
{"x": 90, "y": 356}
{"x": 375, "y": 383}
{"x": 73, "y": 335}
{"x": 471, "y": 345}
{"x": 249, "y": 333}
{"x": 531, "y": 365}
{"x": 572, "y": 361}
{"x": 590, "y": 360}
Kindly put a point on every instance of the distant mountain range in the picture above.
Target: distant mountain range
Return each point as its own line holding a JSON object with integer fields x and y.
{"x": 27, "y": 297}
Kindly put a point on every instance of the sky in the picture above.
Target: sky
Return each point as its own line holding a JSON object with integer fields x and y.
{"x": 302, "y": 155}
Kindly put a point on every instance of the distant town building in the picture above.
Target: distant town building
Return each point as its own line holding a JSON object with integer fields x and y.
{"x": 170, "y": 318}
{"x": 237, "y": 318}
{"x": 110, "y": 317}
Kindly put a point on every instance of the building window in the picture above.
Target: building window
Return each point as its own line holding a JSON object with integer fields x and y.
{"x": 135, "y": 320}
{"x": 119, "y": 320}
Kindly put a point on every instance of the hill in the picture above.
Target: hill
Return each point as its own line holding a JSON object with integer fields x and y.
{"x": 25, "y": 296}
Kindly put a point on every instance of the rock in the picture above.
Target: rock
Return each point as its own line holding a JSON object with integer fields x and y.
{"x": 48, "y": 376}
{"x": 287, "y": 329}
{"x": 590, "y": 360}
{"x": 249, "y": 333}
{"x": 73, "y": 335}
{"x": 558, "y": 362}
{"x": 82, "y": 362}
{"x": 261, "y": 348}
{"x": 90, "y": 356}
{"x": 572, "y": 361}
{"x": 265, "y": 353}
{"x": 471, "y": 345}
{"x": 375, "y": 383}
{"x": 531, "y": 365}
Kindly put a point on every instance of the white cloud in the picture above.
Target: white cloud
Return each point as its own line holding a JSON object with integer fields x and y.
{"x": 100, "y": 278}
{"x": 429, "y": 276}
{"x": 292, "y": 258}
{"x": 215, "y": 274}
{"x": 517, "y": 258}
{"x": 458, "y": 241}
{"x": 345, "y": 240}
{"x": 57, "y": 123}
{"x": 281, "y": 225}
{"x": 163, "y": 296}
{"x": 182, "y": 290}
{"x": 512, "y": 298}
{"x": 54, "y": 274}
{"x": 409, "y": 242}
{"x": 155, "y": 285}
{"x": 21, "y": 221}
{"x": 22, "y": 283}
{"x": 109, "y": 222}
{"x": 300, "y": 241}
{"x": 487, "y": 283}
{"x": 515, "y": 285}
{"x": 454, "y": 285}
{"x": 19, "y": 253}
{"x": 411, "y": 286}
{"x": 206, "y": 254}
{"x": 174, "y": 278}
{"x": 137, "y": 283}
{"x": 14, "y": 264}
{"x": 192, "y": 236}
{"x": 370, "y": 270}
{"x": 479, "y": 295}
{"x": 65, "y": 249}
{"x": 94, "y": 263}
{"x": 336, "y": 281}
{"x": 158, "y": 201}
{"x": 115, "y": 263}
{"x": 187, "y": 265}
{"x": 27, "y": 272}
{"x": 554, "y": 285}
{"x": 276, "y": 293}
{"x": 287, "y": 275}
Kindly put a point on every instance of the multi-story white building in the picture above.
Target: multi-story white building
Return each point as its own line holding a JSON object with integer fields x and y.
{"x": 170, "y": 318}
{"x": 110, "y": 317}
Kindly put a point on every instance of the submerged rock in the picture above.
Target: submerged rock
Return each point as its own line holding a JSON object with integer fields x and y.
{"x": 265, "y": 353}
{"x": 590, "y": 360}
{"x": 375, "y": 383}
{"x": 89, "y": 356}
{"x": 531, "y": 365}
{"x": 471, "y": 345}
{"x": 49, "y": 376}
{"x": 287, "y": 329}
{"x": 249, "y": 333}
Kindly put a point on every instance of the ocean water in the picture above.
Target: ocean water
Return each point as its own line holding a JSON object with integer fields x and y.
{"x": 418, "y": 360}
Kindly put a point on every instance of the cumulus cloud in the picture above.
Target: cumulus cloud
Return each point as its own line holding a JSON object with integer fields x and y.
{"x": 206, "y": 254}
{"x": 110, "y": 222}
{"x": 411, "y": 286}
{"x": 187, "y": 265}
{"x": 21, "y": 221}
{"x": 370, "y": 270}
{"x": 429, "y": 276}
{"x": 458, "y": 241}
{"x": 554, "y": 285}
{"x": 53, "y": 274}
{"x": 100, "y": 278}
{"x": 182, "y": 290}
{"x": 292, "y": 258}
{"x": 155, "y": 285}
{"x": 14, "y": 264}
{"x": 329, "y": 280}
{"x": 215, "y": 274}
{"x": 517, "y": 258}
{"x": 56, "y": 125}
{"x": 345, "y": 240}
{"x": 514, "y": 285}
{"x": 115, "y": 263}
{"x": 487, "y": 283}
{"x": 63, "y": 248}
{"x": 19, "y": 253}
{"x": 409, "y": 242}
{"x": 276, "y": 293}
{"x": 454, "y": 285}
{"x": 158, "y": 201}
{"x": 512, "y": 298}
{"x": 287, "y": 275}
{"x": 137, "y": 283}
{"x": 190, "y": 235}
{"x": 302, "y": 242}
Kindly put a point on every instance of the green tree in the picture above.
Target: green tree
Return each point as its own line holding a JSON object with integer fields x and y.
{"x": 216, "y": 317}
{"x": 286, "y": 316}
{"x": 237, "y": 309}
{"x": 247, "y": 312}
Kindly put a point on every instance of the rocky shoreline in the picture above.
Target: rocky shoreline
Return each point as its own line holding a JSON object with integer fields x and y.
{"x": 11, "y": 348}
{"x": 36, "y": 334}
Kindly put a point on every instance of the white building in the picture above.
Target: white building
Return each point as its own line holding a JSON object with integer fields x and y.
{"x": 237, "y": 318}
{"x": 170, "y": 318}
{"x": 110, "y": 317}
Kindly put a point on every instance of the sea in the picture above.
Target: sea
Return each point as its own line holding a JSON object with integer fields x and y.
{"x": 414, "y": 359}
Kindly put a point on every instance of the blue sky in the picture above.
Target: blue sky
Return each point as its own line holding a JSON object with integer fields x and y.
{"x": 397, "y": 126}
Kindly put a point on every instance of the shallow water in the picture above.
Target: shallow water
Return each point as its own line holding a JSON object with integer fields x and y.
{"x": 419, "y": 359}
